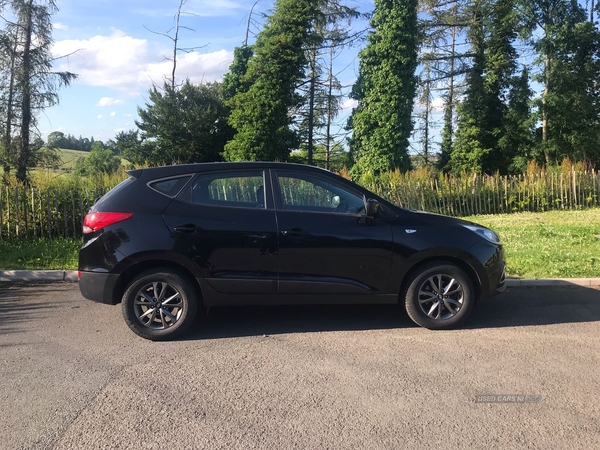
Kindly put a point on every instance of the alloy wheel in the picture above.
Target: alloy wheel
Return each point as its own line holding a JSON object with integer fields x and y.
{"x": 158, "y": 305}
{"x": 441, "y": 296}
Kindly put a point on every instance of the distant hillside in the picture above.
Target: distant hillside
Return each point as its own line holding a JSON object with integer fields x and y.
{"x": 69, "y": 157}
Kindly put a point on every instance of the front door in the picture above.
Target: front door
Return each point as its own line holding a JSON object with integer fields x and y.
{"x": 326, "y": 243}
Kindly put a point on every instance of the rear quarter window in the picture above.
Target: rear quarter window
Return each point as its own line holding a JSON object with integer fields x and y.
{"x": 170, "y": 187}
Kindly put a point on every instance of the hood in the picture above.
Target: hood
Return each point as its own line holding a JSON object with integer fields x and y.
{"x": 440, "y": 219}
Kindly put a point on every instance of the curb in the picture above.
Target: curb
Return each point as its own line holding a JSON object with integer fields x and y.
{"x": 38, "y": 275}
{"x": 552, "y": 282}
{"x": 71, "y": 276}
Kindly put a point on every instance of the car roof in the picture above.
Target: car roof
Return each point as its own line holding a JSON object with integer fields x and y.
{"x": 180, "y": 169}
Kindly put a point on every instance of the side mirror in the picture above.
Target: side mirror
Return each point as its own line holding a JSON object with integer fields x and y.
{"x": 335, "y": 201}
{"x": 371, "y": 207}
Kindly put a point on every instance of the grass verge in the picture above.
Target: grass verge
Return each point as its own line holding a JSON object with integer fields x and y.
{"x": 556, "y": 244}
{"x": 39, "y": 253}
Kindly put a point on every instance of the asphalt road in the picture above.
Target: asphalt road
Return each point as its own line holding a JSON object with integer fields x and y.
{"x": 74, "y": 377}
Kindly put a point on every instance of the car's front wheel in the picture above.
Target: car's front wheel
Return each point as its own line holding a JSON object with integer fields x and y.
{"x": 439, "y": 296}
{"x": 159, "y": 305}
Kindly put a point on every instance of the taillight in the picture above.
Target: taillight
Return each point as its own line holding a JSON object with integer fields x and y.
{"x": 98, "y": 220}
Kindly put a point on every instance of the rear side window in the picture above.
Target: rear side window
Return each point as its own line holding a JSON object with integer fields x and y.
{"x": 240, "y": 189}
{"x": 171, "y": 186}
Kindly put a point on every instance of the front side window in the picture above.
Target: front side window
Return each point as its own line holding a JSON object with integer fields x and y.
{"x": 300, "y": 192}
{"x": 240, "y": 189}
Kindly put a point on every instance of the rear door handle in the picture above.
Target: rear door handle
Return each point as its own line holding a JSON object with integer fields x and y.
{"x": 188, "y": 229}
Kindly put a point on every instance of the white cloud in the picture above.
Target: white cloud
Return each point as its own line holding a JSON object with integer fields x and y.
{"x": 60, "y": 26}
{"x": 195, "y": 66}
{"x": 349, "y": 104}
{"x": 129, "y": 65}
{"x": 438, "y": 104}
{"x": 108, "y": 101}
{"x": 113, "y": 114}
{"x": 128, "y": 115}
{"x": 100, "y": 116}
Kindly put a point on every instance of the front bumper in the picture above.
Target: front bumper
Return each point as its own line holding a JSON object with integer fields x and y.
{"x": 501, "y": 287}
{"x": 492, "y": 272}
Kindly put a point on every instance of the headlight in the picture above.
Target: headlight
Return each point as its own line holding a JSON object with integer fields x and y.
{"x": 485, "y": 233}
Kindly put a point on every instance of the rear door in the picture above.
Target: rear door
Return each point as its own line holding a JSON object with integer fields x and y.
{"x": 326, "y": 243}
{"x": 225, "y": 223}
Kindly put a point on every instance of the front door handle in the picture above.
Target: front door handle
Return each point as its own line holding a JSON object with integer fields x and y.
{"x": 295, "y": 232}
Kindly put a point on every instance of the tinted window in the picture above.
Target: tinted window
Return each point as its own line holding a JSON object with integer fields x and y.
{"x": 309, "y": 193}
{"x": 170, "y": 187}
{"x": 242, "y": 189}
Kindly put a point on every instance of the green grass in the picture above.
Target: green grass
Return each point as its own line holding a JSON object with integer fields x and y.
{"x": 39, "y": 253}
{"x": 555, "y": 244}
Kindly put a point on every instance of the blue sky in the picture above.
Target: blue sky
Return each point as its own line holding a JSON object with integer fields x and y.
{"x": 117, "y": 58}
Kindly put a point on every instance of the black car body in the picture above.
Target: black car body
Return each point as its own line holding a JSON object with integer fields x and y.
{"x": 275, "y": 233}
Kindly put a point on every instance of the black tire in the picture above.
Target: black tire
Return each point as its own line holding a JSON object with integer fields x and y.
{"x": 439, "y": 296}
{"x": 144, "y": 311}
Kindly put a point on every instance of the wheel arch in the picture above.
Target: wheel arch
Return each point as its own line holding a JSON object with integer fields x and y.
{"x": 461, "y": 263}
{"x": 134, "y": 270}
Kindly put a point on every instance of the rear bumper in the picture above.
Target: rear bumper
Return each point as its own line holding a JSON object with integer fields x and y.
{"x": 98, "y": 286}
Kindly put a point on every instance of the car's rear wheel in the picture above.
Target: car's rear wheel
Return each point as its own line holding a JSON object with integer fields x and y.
{"x": 159, "y": 305}
{"x": 439, "y": 295}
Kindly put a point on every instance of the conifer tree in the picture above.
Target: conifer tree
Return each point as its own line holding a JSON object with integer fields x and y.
{"x": 385, "y": 90}
{"x": 261, "y": 115}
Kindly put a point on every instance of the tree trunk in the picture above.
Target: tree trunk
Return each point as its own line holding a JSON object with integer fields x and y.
{"x": 9, "y": 109}
{"x": 330, "y": 111}
{"x": 544, "y": 112}
{"x": 427, "y": 110}
{"x": 311, "y": 104}
{"x": 26, "y": 118}
{"x": 448, "y": 131}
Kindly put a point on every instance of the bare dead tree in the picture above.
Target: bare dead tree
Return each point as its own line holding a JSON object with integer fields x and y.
{"x": 173, "y": 35}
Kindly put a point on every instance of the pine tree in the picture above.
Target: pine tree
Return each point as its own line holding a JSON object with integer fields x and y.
{"x": 184, "y": 124}
{"x": 321, "y": 90}
{"x": 482, "y": 115}
{"x": 261, "y": 115}
{"x": 443, "y": 25}
{"x": 517, "y": 141}
{"x": 568, "y": 53}
{"x": 472, "y": 139}
{"x": 34, "y": 85}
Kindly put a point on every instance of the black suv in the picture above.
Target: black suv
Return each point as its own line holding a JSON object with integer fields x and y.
{"x": 171, "y": 239}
